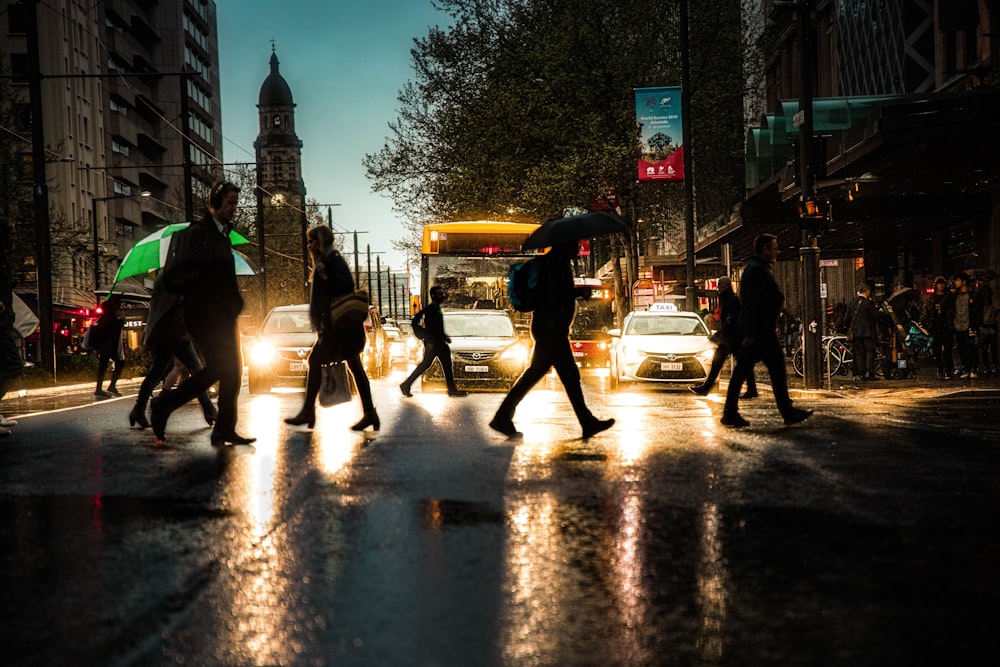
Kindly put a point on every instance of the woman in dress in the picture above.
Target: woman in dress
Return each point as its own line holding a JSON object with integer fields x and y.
{"x": 335, "y": 342}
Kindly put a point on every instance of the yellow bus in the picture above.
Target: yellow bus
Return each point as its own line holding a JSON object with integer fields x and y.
{"x": 471, "y": 260}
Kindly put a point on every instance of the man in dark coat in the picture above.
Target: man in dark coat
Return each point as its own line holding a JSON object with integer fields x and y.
{"x": 200, "y": 269}
{"x": 550, "y": 330}
{"x": 106, "y": 338}
{"x": 436, "y": 343}
{"x": 728, "y": 339}
{"x": 862, "y": 322}
{"x": 762, "y": 300}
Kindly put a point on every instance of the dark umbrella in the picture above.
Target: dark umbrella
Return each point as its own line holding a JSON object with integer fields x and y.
{"x": 575, "y": 228}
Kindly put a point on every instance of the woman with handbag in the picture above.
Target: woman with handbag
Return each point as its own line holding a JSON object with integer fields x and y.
{"x": 342, "y": 339}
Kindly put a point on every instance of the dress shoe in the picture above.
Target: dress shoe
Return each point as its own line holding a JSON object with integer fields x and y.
{"x": 749, "y": 394}
{"x": 734, "y": 420}
{"x": 504, "y": 426}
{"x": 158, "y": 414}
{"x": 138, "y": 416}
{"x": 701, "y": 390}
{"x": 797, "y": 415}
{"x": 307, "y": 417}
{"x": 100, "y": 393}
{"x": 457, "y": 392}
{"x": 366, "y": 421}
{"x": 596, "y": 426}
{"x": 114, "y": 391}
{"x": 405, "y": 388}
{"x": 231, "y": 439}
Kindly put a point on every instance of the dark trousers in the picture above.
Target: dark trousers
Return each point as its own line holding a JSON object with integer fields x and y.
{"x": 552, "y": 350}
{"x": 967, "y": 353}
{"x": 864, "y": 356}
{"x": 434, "y": 350}
{"x": 321, "y": 355}
{"x": 219, "y": 343}
{"x": 106, "y": 354}
{"x": 163, "y": 360}
{"x": 767, "y": 350}
{"x": 722, "y": 353}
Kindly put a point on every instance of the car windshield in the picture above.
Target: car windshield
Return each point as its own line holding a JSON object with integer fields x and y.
{"x": 478, "y": 324}
{"x": 665, "y": 325}
{"x": 288, "y": 321}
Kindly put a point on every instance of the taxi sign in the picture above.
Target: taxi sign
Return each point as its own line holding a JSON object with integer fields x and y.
{"x": 663, "y": 306}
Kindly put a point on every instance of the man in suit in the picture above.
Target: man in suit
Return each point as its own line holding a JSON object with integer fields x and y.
{"x": 863, "y": 325}
{"x": 762, "y": 300}
{"x": 728, "y": 339}
{"x": 435, "y": 345}
{"x": 200, "y": 268}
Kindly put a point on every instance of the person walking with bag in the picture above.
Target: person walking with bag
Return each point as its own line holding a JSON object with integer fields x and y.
{"x": 108, "y": 331}
{"x": 762, "y": 300}
{"x": 862, "y": 324}
{"x": 728, "y": 340}
{"x": 335, "y": 341}
{"x": 550, "y": 330}
{"x": 200, "y": 269}
{"x": 436, "y": 344}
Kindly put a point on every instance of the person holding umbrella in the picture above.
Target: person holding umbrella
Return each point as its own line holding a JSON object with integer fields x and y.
{"x": 200, "y": 269}
{"x": 108, "y": 345}
{"x": 550, "y": 330}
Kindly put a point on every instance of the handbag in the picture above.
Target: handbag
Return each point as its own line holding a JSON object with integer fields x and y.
{"x": 335, "y": 387}
{"x": 350, "y": 308}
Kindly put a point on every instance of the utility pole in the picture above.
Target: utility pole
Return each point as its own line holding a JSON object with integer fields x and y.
{"x": 691, "y": 292}
{"x": 43, "y": 240}
{"x": 378, "y": 281}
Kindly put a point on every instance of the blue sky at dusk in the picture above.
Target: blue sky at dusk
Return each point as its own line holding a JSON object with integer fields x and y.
{"x": 345, "y": 62}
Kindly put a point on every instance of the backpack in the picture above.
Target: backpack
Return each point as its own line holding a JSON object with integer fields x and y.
{"x": 523, "y": 285}
{"x": 419, "y": 331}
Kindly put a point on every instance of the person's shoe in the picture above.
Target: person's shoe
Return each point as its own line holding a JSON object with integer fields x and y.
{"x": 504, "y": 426}
{"x": 749, "y": 394}
{"x": 307, "y": 417}
{"x": 949, "y": 376}
{"x": 231, "y": 439}
{"x": 734, "y": 420}
{"x": 366, "y": 421}
{"x": 7, "y": 422}
{"x": 210, "y": 414}
{"x": 963, "y": 376}
{"x": 700, "y": 389}
{"x": 973, "y": 375}
{"x": 114, "y": 391}
{"x": 405, "y": 388}
{"x": 797, "y": 415}
{"x": 596, "y": 426}
{"x": 138, "y": 416}
{"x": 158, "y": 418}
{"x": 457, "y": 392}
{"x": 4, "y": 432}
{"x": 100, "y": 393}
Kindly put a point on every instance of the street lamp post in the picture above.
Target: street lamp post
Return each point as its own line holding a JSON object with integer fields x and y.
{"x": 97, "y": 248}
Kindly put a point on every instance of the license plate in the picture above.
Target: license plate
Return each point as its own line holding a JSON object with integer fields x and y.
{"x": 477, "y": 369}
{"x": 297, "y": 367}
{"x": 578, "y": 354}
{"x": 671, "y": 366}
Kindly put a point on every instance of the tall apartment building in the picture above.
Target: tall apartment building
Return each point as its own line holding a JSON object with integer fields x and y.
{"x": 131, "y": 107}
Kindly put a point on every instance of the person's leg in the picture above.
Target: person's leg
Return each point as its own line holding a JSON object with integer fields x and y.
{"x": 102, "y": 367}
{"x": 536, "y": 370}
{"x": 116, "y": 373}
{"x": 569, "y": 374}
{"x": 718, "y": 360}
{"x": 185, "y": 352}
{"x": 962, "y": 343}
{"x": 948, "y": 352}
{"x": 444, "y": 356}
{"x": 425, "y": 363}
{"x": 773, "y": 359}
{"x": 745, "y": 360}
{"x": 370, "y": 417}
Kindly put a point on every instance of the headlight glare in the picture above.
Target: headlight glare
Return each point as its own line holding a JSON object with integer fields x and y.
{"x": 262, "y": 353}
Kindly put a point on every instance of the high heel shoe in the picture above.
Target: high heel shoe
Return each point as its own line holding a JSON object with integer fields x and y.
{"x": 304, "y": 417}
{"x": 211, "y": 414}
{"x": 366, "y": 421}
{"x": 138, "y": 416}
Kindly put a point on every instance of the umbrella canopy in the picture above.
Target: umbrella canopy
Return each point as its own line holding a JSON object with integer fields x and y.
{"x": 244, "y": 267}
{"x": 575, "y": 228}
{"x": 150, "y": 253}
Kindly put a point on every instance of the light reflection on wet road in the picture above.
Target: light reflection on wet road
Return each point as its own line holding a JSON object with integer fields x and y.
{"x": 667, "y": 540}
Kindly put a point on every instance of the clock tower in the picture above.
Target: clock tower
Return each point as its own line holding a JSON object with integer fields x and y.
{"x": 278, "y": 148}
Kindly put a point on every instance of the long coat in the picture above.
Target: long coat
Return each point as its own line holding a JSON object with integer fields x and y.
{"x": 335, "y": 343}
{"x": 762, "y": 300}
{"x": 863, "y": 318}
{"x": 200, "y": 268}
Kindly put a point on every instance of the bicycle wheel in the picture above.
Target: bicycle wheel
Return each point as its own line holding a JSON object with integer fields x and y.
{"x": 836, "y": 354}
{"x": 797, "y": 363}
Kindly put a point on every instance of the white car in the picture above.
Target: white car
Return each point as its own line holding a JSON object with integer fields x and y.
{"x": 661, "y": 346}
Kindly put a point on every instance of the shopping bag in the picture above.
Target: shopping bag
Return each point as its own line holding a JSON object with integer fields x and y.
{"x": 335, "y": 387}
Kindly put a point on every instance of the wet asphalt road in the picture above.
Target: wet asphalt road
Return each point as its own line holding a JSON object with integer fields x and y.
{"x": 866, "y": 536}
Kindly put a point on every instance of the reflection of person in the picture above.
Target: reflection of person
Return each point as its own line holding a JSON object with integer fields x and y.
{"x": 332, "y": 278}
{"x": 11, "y": 364}
{"x": 108, "y": 332}
{"x": 728, "y": 339}
{"x": 762, "y": 300}
{"x": 862, "y": 322}
{"x": 550, "y": 330}
{"x": 436, "y": 343}
{"x": 167, "y": 339}
{"x": 200, "y": 269}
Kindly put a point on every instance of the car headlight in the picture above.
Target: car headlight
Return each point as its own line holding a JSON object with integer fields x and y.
{"x": 515, "y": 353}
{"x": 262, "y": 353}
{"x": 705, "y": 356}
{"x": 630, "y": 353}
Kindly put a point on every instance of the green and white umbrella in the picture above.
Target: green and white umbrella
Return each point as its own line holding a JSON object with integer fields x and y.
{"x": 150, "y": 253}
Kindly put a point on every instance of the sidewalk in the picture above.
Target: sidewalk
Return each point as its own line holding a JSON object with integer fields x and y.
{"x": 925, "y": 385}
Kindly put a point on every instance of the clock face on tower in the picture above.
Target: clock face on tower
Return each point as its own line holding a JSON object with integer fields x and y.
{"x": 278, "y": 199}
{"x": 276, "y": 120}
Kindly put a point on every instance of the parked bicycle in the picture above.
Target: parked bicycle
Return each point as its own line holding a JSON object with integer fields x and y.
{"x": 838, "y": 357}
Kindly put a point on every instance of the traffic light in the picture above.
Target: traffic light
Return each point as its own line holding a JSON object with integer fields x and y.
{"x": 814, "y": 214}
